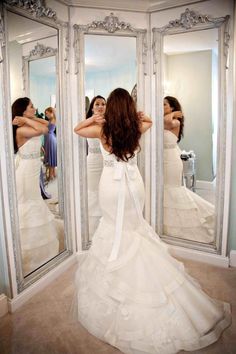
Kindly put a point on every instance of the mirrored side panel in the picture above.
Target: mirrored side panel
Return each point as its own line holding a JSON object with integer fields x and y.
{"x": 33, "y": 68}
{"x": 191, "y": 85}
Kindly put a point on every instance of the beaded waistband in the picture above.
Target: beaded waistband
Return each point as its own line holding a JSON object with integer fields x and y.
{"x": 111, "y": 163}
{"x": 34, "y": 155}
{"x": 94, "y": 150}
{"x": 169, "y": 146}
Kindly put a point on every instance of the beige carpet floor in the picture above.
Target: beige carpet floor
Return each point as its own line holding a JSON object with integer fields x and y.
{"x": 44, "y": 324}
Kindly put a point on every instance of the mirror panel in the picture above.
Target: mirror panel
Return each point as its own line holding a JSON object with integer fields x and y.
{"x": 107, "y": 66}
{"x": 198, "y": 95}
{"x": 33, "y": 68}
{"x": 190, "y": 56}
{"x": 108, "y": 53}
{"x": 184, "y": 55}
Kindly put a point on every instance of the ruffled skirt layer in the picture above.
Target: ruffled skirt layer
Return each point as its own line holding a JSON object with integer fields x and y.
{"x": 144, "y": 302}
{"x": 188, "y": 216}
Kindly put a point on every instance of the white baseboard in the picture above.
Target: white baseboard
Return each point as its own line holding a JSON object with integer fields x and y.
{"x": 3, "y": 305}
{"x": 210, "y": 186}
{"x": 209, "y": 258}
{"x": 26, "y": 294}
{"x": 232, "y": 258}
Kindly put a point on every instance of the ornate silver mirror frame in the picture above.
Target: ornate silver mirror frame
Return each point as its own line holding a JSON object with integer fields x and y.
{"x": 40, "y": 51}
{"x": 111, "y": 25}
{"x": 190, "y": 21}
{"x": 39, "y": 12}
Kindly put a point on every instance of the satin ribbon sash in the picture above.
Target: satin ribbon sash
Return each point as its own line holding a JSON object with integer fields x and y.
{"x": 125, "y": 173}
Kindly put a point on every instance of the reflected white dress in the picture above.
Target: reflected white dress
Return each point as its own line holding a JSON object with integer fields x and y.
{"x": 186, "y": 215}
{"x": 94, "y": 170}
{"x": 40, "y": 232}
{"x": 130, "y": 292}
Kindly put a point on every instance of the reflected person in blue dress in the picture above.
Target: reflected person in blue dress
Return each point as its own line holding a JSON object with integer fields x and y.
{"x": 50, "y": 144}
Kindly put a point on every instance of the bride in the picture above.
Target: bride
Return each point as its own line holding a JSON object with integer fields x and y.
{"x": 40, "y": 232}
{"x": 131, "y": 292}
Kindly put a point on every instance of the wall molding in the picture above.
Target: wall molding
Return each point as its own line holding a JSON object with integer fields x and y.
{"x": 202, "y": 257}
{"x": 232, "y": 258}
{"x": 3, "y": 305}
{"x": 36, "y": 287}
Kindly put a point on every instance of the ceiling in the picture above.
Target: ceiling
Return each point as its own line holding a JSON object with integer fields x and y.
{"x": 23, "y": 30}
{"x": 130, "y": 5}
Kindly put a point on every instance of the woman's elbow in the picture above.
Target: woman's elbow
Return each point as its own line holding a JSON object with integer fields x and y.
{"x": 44, "y": 130}
{"x": 76, "y": 130}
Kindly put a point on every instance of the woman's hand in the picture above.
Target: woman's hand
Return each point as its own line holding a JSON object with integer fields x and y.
{"x": 19, "y": 121}
{"x": 177, "y": 115}
{"x": 98, "y": 119}
{"x": 141, "y": 116}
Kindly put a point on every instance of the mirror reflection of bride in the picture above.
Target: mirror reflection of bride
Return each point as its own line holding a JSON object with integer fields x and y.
{"x": 40, "y": 232}
{"x": 94, "y": 167}
{"x": 186, "y": 215}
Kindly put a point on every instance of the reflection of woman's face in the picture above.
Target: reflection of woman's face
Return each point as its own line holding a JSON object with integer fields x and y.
{"x": 49, "y": 115}
{"x": 99, "y": 106}
{"x": 167, "y": 108}
{"x": 30, "y": 111}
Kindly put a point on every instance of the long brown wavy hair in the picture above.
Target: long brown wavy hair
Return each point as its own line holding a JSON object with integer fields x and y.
{"x": 121, "y": 129}
{"x": 176, "y": 106}
{"x": 17, "y": 109}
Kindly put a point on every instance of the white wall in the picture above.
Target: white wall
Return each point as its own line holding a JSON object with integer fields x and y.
{"x": 105, "y": 82}
{"x": 16, "y": 78}
{"x": 194, "y": 92}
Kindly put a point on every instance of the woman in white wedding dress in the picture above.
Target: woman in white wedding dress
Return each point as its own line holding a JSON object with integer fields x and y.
{"x": 130, "y": 292}
{"x": 40, "y": 232}
{"x": 94, "y": 167}
{"x": 186, "y": 215}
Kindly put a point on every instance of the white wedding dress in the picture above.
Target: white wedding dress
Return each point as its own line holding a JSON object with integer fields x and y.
{"x": 94, "y": 170}
{"x": 130, "y": 292}
{"x": 186, "y": 215}
{"x": 40, "y": 232}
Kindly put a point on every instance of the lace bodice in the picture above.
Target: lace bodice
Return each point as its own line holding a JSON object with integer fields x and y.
{"x": 94, "y": 146}
{"x": 111, "y": 160}
{"x": 31, "y": 149}
{"x": 170, "y": 139}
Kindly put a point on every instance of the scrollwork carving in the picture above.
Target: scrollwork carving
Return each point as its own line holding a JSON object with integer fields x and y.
{"x": 189, "y": 19}
{"x": 41, "y": 50}
{"x": 36, "y": 7}
{"x": 111, "y": 24}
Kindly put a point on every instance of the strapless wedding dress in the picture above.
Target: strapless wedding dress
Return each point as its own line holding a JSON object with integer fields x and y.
{"x": 186, "y": 214}
{"x": 94, "y": 170}
{"x": 131, "y": 292}
{"x": 40, "y": 232}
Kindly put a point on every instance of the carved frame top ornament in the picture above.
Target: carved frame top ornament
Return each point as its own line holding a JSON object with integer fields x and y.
{"x": 36, "y": 7}
{"x": 189, "y": 19}
{"x": 41, "y": 50}
{"x": 111, "y": 24}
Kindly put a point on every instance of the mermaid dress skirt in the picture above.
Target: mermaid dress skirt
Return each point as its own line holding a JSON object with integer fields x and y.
{"x": 130, "y": 292}
{"x": 186, "y": 215}
{"x": 94, "y": 171}
{"x": 40, "y": 232}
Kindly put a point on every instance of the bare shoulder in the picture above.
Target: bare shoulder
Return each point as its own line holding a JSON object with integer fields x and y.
{"x": 27, "y": 132}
